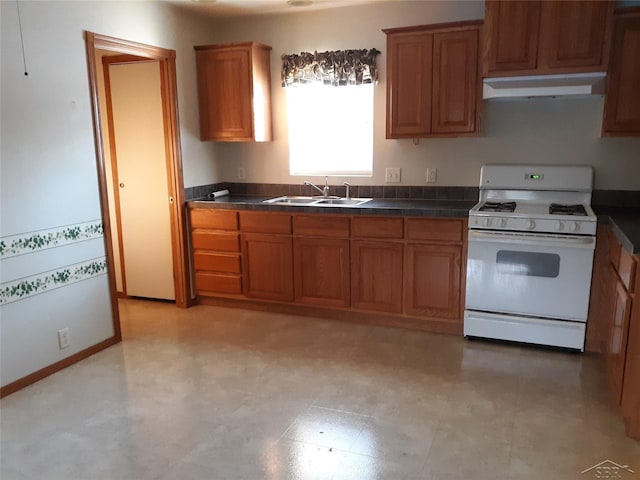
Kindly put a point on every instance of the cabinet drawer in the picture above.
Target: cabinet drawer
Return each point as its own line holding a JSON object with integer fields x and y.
{"x": 216, "y": 262}
{"x": 377, "y": 227}
{"x": 435, "y": 229}
{"x": 627, "y": 270}
{"x": 211, "y": 282}
{"x": 260, "y": 222}
{"x": 220, "y": 242}
{"x": 213, "y": 218}
{"x": 321, "y": 225}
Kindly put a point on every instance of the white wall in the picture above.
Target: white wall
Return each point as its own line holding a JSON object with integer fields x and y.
{"x": 541, "y": 130}
{"x": 48, "y": 169}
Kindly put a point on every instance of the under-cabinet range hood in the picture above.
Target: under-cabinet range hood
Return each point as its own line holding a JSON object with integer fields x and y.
{"x": 544, "y": 85}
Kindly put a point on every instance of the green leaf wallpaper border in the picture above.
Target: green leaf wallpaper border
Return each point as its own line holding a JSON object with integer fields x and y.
{"x": 13, "y": 245}
{"x": 43, "y": 282}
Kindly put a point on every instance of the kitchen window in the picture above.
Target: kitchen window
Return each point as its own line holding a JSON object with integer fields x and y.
{"x": 330, "y": 98}
{"x": 330, "y": 130}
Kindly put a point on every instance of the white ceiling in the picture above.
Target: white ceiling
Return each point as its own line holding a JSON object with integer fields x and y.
{"x": 234, "y": 8}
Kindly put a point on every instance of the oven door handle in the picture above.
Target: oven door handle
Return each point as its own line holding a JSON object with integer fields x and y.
{"x": 534, "y": 240}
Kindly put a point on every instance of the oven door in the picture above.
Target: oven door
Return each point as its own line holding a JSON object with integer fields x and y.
{"x": 546, "y": 276}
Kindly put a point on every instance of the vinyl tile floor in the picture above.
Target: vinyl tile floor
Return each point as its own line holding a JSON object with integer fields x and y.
{"x": 214, "y": 393}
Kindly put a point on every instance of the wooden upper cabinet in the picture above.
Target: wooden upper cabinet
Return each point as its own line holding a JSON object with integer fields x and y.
{"x": 533, "y": 37}
{"x": 432, "y": 80}
{"x": 511, "y": 35}
{"x": 622, "y": 104}
{"x": 234, "y": 92}
{"x": 573, "y": 34}
{"x": 409, "y": 83}
{"x": 455, "y": 82}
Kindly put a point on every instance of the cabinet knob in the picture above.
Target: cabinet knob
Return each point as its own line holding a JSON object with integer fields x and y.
{"x": 121, "y": 185}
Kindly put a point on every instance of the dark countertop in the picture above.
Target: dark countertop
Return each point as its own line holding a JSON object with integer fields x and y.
{"x": 625, "y": 221}
{"x": 626, "y": 225}
{"x": 377, "y": 206}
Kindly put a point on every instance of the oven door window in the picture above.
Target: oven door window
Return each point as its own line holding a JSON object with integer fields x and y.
{"x": 531, "y": 264}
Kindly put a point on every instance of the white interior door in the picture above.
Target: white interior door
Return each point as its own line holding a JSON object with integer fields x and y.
{"x": 142, "y": 179}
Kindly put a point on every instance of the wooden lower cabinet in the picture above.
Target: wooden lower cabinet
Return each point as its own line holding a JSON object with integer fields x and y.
{"x": 618, "y": 335}
{"x": 613, "y": 327}
{"x": 390, "y": 270}
{"x": 433, "y": 281}
{"x": 376, "y": 275}
{"x": 268, "y": 266}
{"x": 322, "y": 271}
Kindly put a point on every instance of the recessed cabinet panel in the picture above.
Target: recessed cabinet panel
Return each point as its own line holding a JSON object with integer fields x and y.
{"x": 409, "y": 84}
{"x": 573, "y": 34}
{"x": 268, "y": 266}
{"x": 376, "y": 276}
{"x": 433, "y": 80}
{"x": 234, "y": 92}
{"x": 322, "y": 271}
{"x": 455, "y": 81}
{"x": 546, "y": 37}
{"x": 511, "y": 30}
{"x": 432, "y": 281}
{"x": 622, "y": 104}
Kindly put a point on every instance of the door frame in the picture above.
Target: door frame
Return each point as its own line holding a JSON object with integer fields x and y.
{"x": 167, "y": 60}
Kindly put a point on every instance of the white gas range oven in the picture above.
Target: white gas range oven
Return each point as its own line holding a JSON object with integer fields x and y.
{"x": 531, "y": 244}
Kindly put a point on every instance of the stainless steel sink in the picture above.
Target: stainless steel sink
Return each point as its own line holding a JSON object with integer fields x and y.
{"x": 291, "y": 200}
{"x": 316, "y": 201}
{"x": 342, "y": 201}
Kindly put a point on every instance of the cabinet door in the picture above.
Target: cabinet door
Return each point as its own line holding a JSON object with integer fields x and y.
{"x": 376, "y": 276}
{"x": 511, "y": 35}
{"x": 409, "y": 84}
{"x": 631, "y": 385}
{"x": 455, "y": 82}
{"x": 224, "y": 94}
{"x": 573, "y": 35}
{"x": 268, "y": 266}
{"x": 322, "y": 271}
{"x": 618, "y": 335}
{"x": 432, "y": 281}
{"x": 622, "y": 104}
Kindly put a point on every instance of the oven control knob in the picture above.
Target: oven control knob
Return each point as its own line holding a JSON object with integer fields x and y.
{"x": 487, "y": 222}
{"x": 503, "y": 222}
{"x": 575, "y": 227}
{"x": 559, "y": 226}
{"x": 531, "y": 224}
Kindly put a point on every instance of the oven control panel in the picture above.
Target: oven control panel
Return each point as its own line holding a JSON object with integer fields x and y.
{"x": 544, "y": 225}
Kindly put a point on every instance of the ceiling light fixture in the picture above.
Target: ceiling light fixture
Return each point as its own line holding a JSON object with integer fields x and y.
{"x": 299, "y": 3}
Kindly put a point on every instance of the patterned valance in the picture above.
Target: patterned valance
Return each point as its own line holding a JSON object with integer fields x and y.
{"x": 337, "y": 68}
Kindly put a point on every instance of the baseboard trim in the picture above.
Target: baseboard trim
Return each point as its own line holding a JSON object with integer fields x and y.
{"x": 56, "y": 367}
{"x": 346, "y": 315}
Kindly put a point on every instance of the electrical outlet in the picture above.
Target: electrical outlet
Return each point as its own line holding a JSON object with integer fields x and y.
{"x": 63, "y": 338}
{"x": 392, "y": 175}
{"x": 240, "y": 173}
{"x": 432, "y": 175}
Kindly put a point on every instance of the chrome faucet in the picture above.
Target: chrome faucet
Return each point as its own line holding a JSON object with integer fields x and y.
{"x": 324, "y": 191}
{"x": 347, "y": 184}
